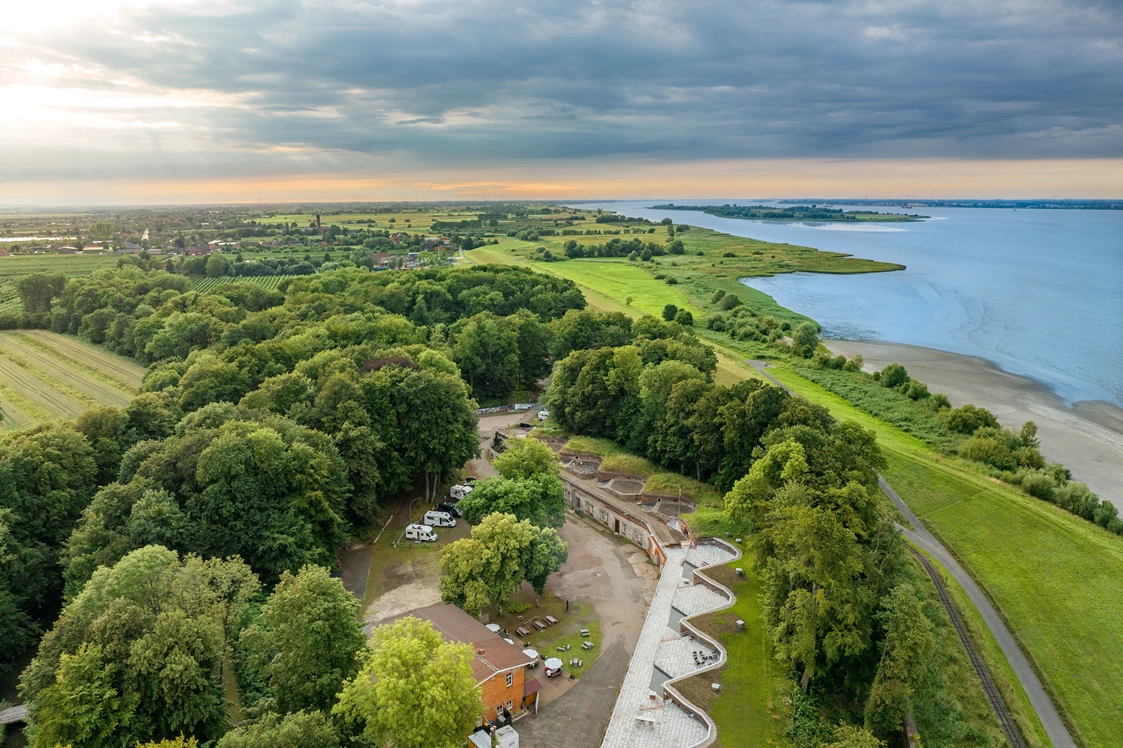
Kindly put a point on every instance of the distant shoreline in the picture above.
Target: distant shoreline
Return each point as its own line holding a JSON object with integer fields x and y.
{"x": 1087, "y": 437}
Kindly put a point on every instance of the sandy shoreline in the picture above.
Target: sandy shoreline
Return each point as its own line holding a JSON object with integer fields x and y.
{"x": 1087, "y": 437}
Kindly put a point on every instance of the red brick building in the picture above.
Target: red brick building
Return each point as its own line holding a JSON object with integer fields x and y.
{"x": 499, "y": 666}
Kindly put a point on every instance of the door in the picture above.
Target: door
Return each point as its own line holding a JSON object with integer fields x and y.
{"x": 617, "y": 527}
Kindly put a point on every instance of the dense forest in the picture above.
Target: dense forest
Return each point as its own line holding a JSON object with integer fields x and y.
{"x": 271, "y": 425}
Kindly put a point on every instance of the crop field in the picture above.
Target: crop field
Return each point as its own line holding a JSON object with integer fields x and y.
{"x": 266, "y": 281}
{"x": 45, "y": 377}
{"x": 73, "y": 265}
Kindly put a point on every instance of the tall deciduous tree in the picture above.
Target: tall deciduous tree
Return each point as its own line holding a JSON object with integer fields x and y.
{"x": 487, "y": 567}
{"x": 307, "y": 638}
{"x": 906, "y": 652}
{"x": 415, "y": 690}
{"x": 299, "y": 730}
{"x": 545, "y": 555}
{"x": 527, "y": 458}
{"x": 137, "y": 655}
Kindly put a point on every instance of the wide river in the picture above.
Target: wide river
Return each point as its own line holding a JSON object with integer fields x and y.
{"x": 1036, "y": 292}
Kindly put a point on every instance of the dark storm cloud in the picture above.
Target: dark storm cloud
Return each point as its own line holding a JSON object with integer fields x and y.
{"x": 469, "y": 82}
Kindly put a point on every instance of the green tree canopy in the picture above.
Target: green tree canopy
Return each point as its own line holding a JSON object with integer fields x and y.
{"x": 137, "y": 654}
{"x": 487, "y": 567}
{"x": 415, "y": 690}
{"x": 306, "y": 639}
{"x": 527, "y": 458}
{"x": 540, "y": 499}
{"x": 298, "y": 730}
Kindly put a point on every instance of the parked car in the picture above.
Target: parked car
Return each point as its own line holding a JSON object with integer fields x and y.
{"x": 420, "y": 532}
{"x": 439, "y": 519}
{"x": 448, "y": 507}
{"x": 543, "y": 414}
{"x": 471, "y": 479}
{"x": 456, "y": 493}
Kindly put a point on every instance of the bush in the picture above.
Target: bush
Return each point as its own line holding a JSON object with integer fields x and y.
{"x": 718, "y": 296}
{"x": 669, "y": 312}
{"x": 894, "y": 375}
{"x": 730, "y": 301}
{"x": 1040, "y": 486}
{"x": 969, "y": 419}
{"x": 917, "y": 390}
{"x": 684, "y": 318}
{"x": 671, "y": 280}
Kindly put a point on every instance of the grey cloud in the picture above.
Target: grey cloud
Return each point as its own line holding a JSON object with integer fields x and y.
{"x": 475, "y": 81}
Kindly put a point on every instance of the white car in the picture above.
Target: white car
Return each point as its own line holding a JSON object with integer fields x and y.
{"x": 543, "y": 414}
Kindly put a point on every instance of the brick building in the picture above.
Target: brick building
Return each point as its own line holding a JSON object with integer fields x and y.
{"x": 499, "y": 666}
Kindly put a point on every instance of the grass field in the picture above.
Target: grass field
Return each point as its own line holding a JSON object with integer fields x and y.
{"x": 44, "y": 377}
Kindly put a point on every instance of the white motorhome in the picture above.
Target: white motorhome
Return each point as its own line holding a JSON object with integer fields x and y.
{"x": 439, "y": 519}
{"x": 459, "y": 492}
{"x": 420, "y": 532}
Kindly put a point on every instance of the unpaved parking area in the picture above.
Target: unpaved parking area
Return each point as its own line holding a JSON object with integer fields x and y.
{"x": 616, "y": 579}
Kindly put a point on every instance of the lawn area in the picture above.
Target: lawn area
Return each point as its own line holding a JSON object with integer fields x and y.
{"x": 659, "y": 481}
{"x": 749, "y": 708}
{"x": 567, "y": 632}
{"x": 45, "y": 376}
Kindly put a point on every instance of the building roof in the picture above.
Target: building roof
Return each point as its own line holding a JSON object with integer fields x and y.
{"x": 494, "y": 654}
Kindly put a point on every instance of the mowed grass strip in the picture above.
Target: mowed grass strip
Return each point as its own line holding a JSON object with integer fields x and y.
{"x": 64, "y": 376}
{"x": 19, "y": 411}
{"x": 118, "y": 368}
{"x": 1055, "y": 578}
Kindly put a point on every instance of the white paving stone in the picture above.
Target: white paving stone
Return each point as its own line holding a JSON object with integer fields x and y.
{"x": 676, "y": 654}
{"x": 707, "y": 554}
{"x": 697, "y": 598}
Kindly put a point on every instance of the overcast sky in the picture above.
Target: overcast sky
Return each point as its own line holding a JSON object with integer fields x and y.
{"x": 136, "y": 100}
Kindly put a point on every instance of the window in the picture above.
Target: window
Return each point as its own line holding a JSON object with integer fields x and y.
{"x": 510, "y": 679}
{"x": 510, "y": 705}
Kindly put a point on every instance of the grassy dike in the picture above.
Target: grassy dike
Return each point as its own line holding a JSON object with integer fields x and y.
{"x": 607, "y": 284}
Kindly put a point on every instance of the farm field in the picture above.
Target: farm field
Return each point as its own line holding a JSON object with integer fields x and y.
{"x": 45, "y": 376}
{"x": 266, "y": 281}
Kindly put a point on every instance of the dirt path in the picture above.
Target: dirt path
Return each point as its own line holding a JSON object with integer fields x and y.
{"x": 617, "y": 581}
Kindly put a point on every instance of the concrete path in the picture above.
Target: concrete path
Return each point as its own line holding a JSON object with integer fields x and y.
{"x": 1042, "y": 704}
{"x": 1039, "y": 699}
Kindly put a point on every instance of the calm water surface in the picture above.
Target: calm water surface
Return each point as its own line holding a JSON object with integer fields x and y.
{"x": 1037, "y": 292}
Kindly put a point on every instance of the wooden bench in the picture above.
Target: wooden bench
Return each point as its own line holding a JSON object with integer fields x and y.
{"x": 551, "y": 620}
{"x": 522, "y": 631}
{"x": 539, "y": 625}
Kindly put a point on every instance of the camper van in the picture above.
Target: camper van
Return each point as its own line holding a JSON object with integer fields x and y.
{"x": 420, "y": 532}
{"x": 459, "y": 492}
{"x": 439, "y": 519}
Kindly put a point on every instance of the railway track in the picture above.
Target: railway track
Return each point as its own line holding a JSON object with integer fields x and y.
{"x": 1013, "y": 734}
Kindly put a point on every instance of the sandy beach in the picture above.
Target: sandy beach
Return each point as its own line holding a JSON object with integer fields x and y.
{"x": 1088, "y": 437}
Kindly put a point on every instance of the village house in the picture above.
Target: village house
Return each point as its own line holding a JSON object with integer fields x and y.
{"x": 380, "y": 259}
{"x": 499, "y": 666}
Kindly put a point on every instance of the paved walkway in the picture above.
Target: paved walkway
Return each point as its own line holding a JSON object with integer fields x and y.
{"x": 1040, "y": 700}
{"x": 660, "y": 725}
{"x": 691, "y": 599}
{"x": 682, "y": 655}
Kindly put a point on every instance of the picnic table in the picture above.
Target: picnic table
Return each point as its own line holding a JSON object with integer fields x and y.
{"x": 551, "y": 620}
{"x": 522, "y": 631}
{"x": 539, "y": 625}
